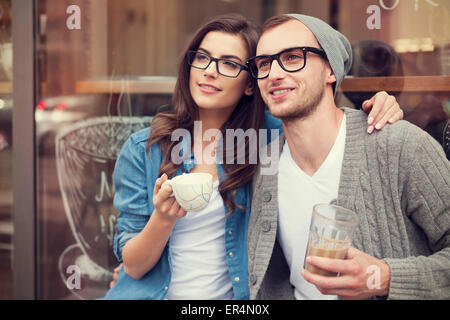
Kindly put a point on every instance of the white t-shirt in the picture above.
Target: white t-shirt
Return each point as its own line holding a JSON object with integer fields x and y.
{"x": 298, "y": 193}
{"x": 197, "y": 246}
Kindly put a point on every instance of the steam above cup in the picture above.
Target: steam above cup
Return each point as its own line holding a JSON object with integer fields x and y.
{"x": 191, "y": 190}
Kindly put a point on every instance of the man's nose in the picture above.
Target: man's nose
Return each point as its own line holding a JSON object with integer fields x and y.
{"x": 276, "y": 72}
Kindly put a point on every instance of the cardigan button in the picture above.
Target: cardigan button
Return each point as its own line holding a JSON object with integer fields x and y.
{"x": 253, "y": 279}
{"x": 265, "y": 226}
{"x": 267, "y": 196}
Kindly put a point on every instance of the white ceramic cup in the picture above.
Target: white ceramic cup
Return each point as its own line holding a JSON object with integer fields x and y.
{"x": 191, "y": 190}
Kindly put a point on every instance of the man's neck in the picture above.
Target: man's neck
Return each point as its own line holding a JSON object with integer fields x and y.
{"x": 310, "y": 139}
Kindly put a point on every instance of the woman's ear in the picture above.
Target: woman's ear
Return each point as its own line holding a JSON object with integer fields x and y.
{"x": 250, "y": 88}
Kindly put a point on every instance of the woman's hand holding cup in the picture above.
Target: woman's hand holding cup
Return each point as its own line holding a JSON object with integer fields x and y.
{"x": 165, "y": 205}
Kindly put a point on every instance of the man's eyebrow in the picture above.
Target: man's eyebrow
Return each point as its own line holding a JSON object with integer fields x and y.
{"x": 225, "y": 56}
{"x": 281, "y": 50}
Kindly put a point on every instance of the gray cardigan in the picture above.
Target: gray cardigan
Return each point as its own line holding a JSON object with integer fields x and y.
{"x": 398, "y": 182}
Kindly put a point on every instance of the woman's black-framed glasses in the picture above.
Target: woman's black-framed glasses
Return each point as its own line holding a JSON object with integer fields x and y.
{"x": 225, "y": 67}
{"x": 290, "y": 60}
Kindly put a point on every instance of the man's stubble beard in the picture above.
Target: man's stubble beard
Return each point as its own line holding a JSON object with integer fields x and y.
{"x": 306, "y": 105}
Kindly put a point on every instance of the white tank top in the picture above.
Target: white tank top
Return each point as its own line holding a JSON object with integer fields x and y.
{"x": 197, "y": 246}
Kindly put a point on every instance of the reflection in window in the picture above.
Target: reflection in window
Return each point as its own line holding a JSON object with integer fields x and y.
{"x": 6, "y": 197}
{"x": 97, "y": 84}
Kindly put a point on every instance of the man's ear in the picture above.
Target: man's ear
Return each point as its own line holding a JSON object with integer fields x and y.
{"x": 331, "y": 77}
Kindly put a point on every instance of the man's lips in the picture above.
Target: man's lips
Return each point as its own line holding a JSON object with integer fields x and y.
{"x": 208, "y": 88}
{"x": 279, "y": 93}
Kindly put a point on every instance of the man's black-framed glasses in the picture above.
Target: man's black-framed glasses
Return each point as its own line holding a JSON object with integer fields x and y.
{"x": 290, "y": 60}
{"x": 225, "y": 67}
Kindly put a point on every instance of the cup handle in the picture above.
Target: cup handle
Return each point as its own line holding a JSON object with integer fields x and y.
{"x": 168, "y": 182}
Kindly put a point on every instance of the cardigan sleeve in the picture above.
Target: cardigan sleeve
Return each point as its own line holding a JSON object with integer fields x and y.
{"x": 428, "y": 206}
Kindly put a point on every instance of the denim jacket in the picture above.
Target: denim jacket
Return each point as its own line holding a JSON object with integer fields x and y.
{"x": 135, "y": 175}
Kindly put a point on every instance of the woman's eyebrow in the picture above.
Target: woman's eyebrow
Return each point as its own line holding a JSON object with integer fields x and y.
{"x": 231, "y": 57}
{"x": 225, "y": 56}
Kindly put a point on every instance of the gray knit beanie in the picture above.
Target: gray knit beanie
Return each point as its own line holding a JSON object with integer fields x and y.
{"x": 335, "y": 44}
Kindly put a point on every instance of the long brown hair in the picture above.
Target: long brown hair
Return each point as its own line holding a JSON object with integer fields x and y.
{"x": 248, "y": 114}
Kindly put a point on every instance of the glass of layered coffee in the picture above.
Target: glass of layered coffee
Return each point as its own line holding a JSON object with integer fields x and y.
{"x": 330, "y": 234}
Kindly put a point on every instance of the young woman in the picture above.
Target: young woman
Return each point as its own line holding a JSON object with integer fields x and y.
{"x": 169, "y": 253}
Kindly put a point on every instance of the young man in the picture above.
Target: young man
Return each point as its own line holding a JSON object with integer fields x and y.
{"x": 397, "y": 181}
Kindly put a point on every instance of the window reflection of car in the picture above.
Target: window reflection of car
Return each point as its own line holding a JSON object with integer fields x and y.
{"x": 5, "y": 123}
{"x": 53, "y": 113}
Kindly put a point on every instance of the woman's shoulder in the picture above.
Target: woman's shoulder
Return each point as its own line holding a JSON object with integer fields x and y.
{"x": 134, "y": 152}
{"x": 137, "y": 142}
{"x": 271, "y": 122}
{"x": 140, "y": 136}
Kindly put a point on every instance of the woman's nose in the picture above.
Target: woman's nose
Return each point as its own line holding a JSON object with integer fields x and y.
{"x": 211, "y": 70}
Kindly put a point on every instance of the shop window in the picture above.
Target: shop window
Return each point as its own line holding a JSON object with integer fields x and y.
{"x": 104, "y": 67}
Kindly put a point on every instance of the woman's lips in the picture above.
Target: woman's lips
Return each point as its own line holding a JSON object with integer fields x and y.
{"x": 207, "y": 88}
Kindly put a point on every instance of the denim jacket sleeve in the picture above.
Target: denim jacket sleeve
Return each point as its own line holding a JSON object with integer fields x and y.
{"x": 133, "y": 183}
